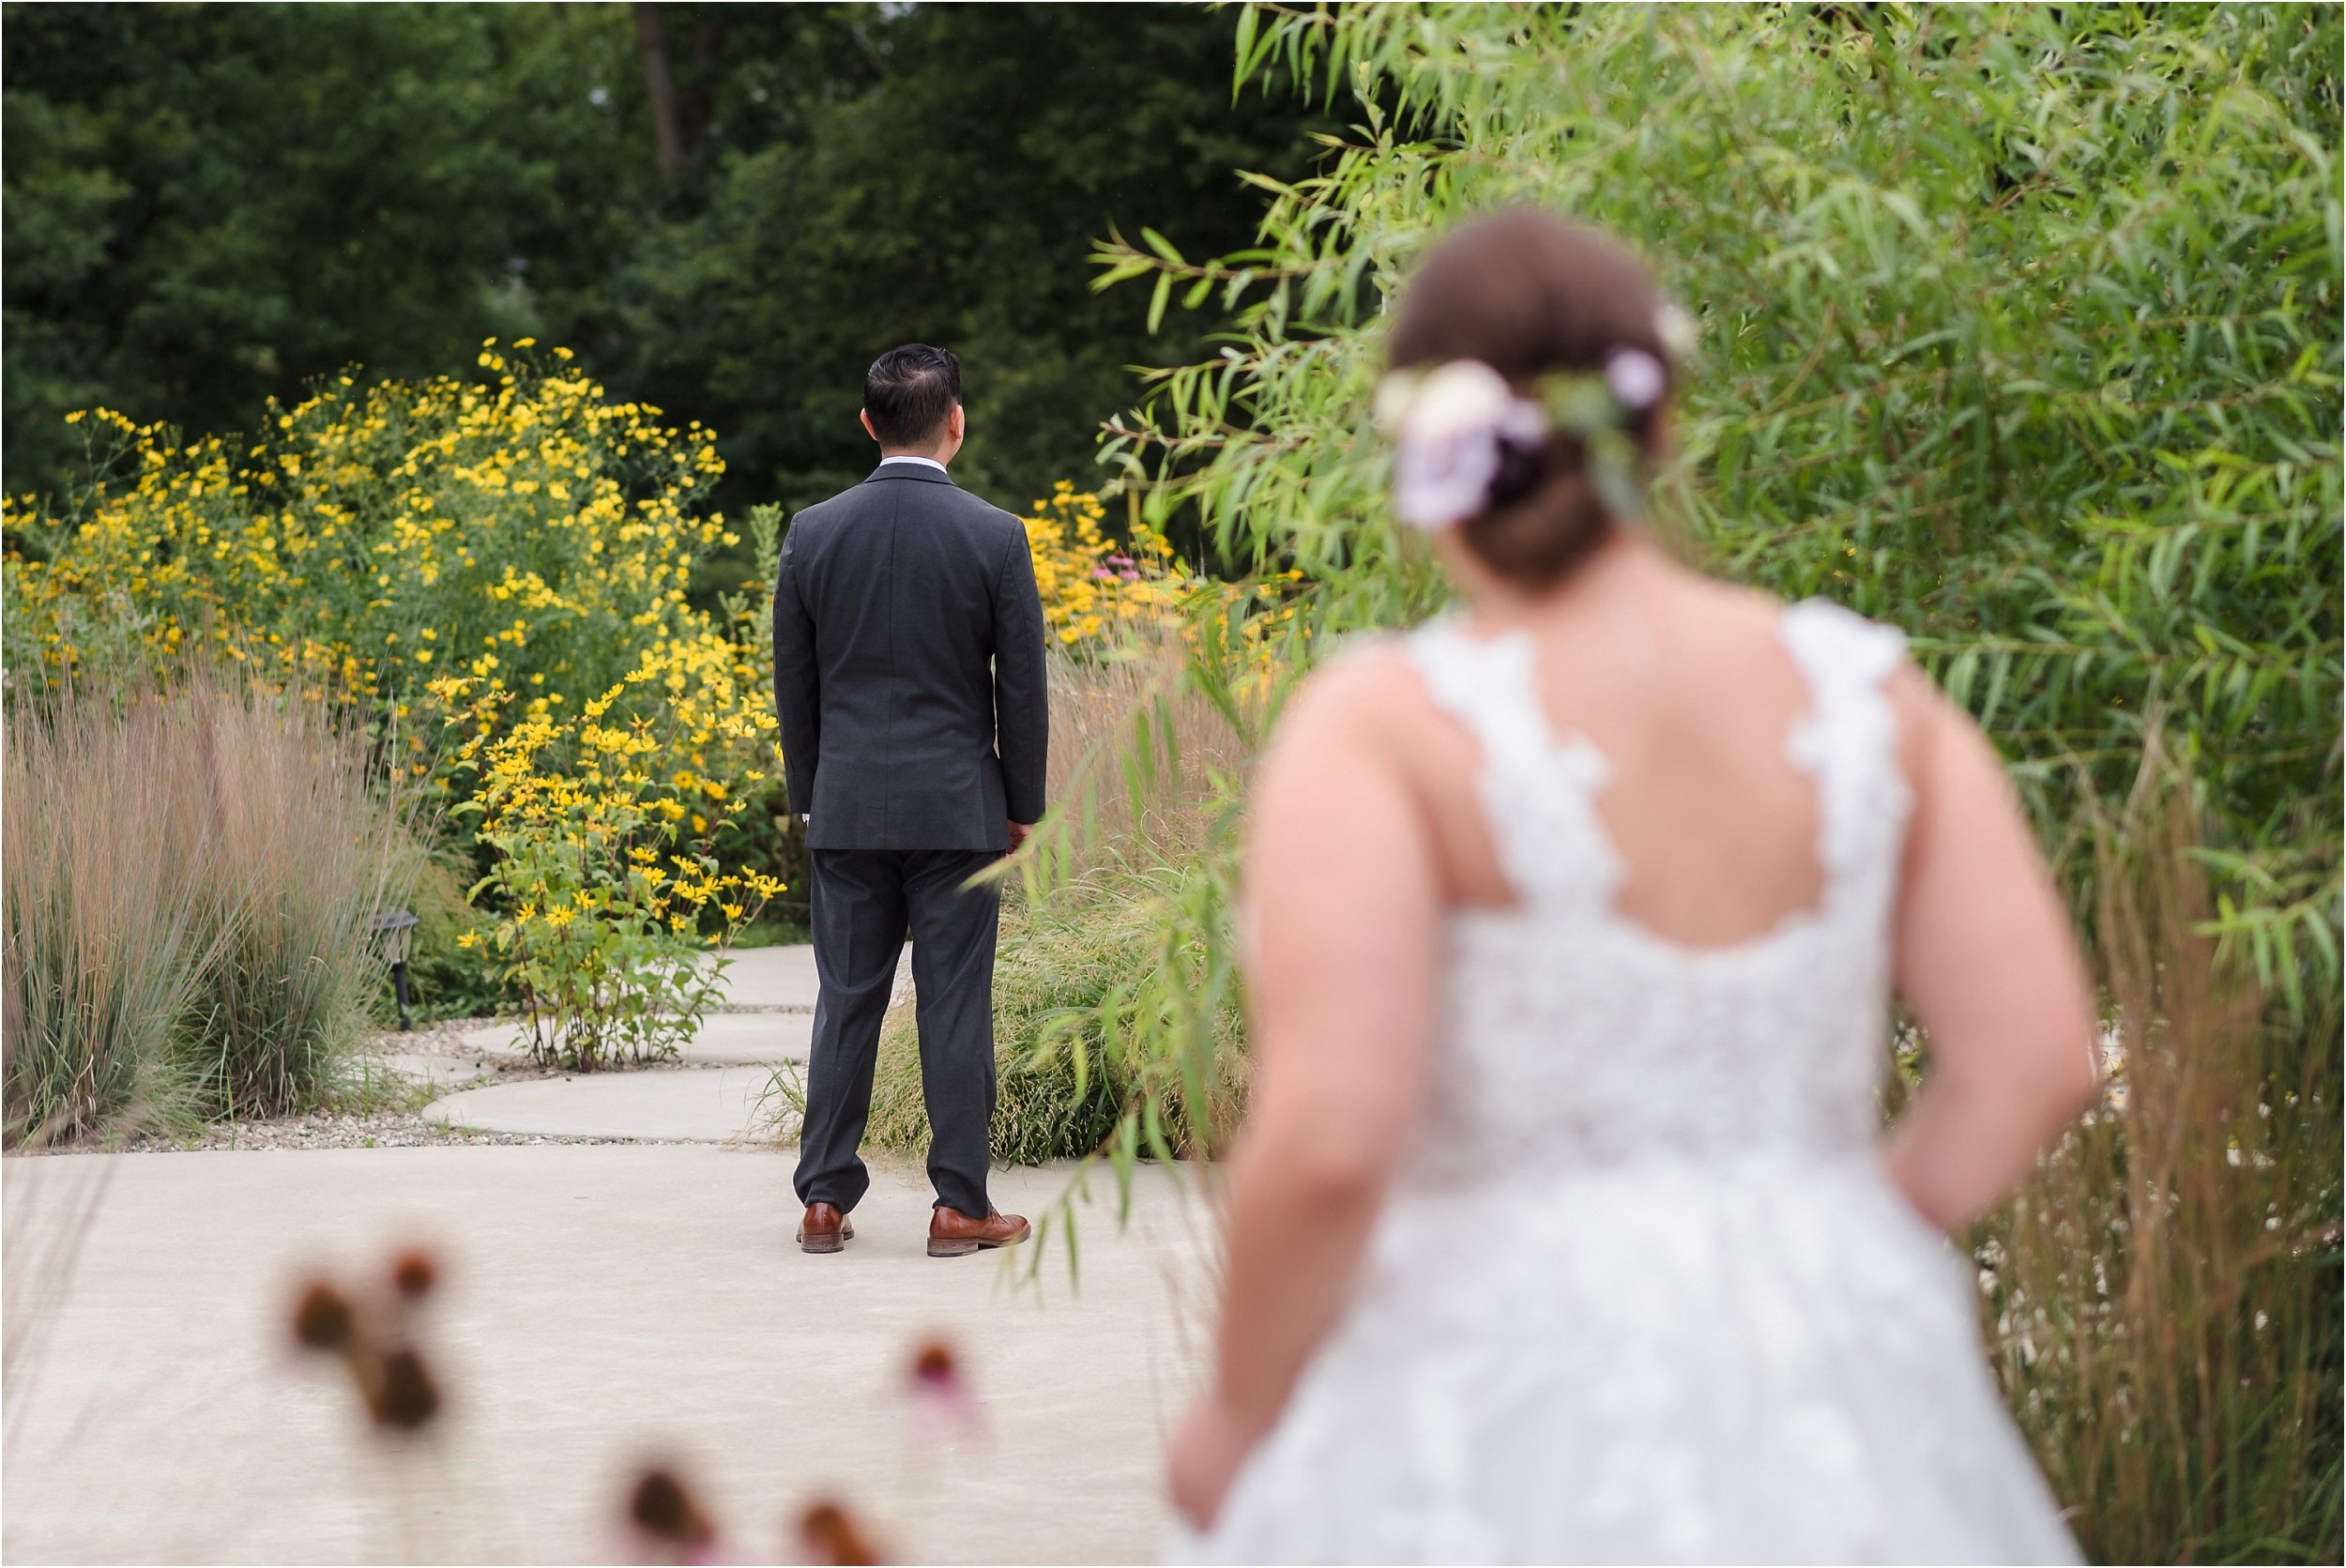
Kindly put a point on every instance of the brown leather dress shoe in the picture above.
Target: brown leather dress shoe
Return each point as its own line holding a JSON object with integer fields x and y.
{"x": 823, "y": 1229}
{"x": 955, "y": 1234}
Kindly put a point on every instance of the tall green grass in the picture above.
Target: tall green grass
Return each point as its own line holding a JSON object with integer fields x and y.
{"x": 107, "y": 940}
{"x": 189, "y": 876}
{"x": 1072, "y": 1056}
{"x": 1071, "y": 1073}
{"x": 301, "y": 853}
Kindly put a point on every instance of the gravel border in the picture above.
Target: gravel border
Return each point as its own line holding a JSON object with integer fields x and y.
{"x": 377, "y": 1129}
{"x": 401, "y": 1127}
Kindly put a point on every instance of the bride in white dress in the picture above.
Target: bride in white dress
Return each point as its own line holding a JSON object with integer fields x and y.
{"x": 1564, "y": 1228}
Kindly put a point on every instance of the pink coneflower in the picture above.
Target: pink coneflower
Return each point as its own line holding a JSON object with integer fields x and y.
{"x": 669, "y": 1525}
{"x": 828, "y": 1533}
{"x": 321, "y": 1318}
{"x": 368, "y": 1334}
{"x": 942, "y": 1408}
{"x": 414, "y": 1275}
{"x": 403, "y": 1394}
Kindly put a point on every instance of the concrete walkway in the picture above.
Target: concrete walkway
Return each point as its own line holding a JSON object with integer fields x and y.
{"x": 602, "y": 1304}
{"x": 703, "y": 1105}
{"x": 766, "y": 1019}
{"x": 770, "y": 977}
{"x": 724, "y": 1039}
{"x": 441, "y": 1073}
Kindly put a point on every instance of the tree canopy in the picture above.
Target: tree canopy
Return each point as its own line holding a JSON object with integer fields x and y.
{"x": 727, "y": 209}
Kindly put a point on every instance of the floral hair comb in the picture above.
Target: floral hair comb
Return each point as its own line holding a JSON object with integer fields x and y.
{"x": 1465, "y": 440}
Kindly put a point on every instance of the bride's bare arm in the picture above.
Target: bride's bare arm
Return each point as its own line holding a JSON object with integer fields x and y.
{"x": 1345, "y": 904}
{"x": 1988, "y": 965}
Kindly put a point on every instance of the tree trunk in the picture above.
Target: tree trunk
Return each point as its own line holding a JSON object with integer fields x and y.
{"x": 696, "y": 107}
{"x": 651, "y": 46}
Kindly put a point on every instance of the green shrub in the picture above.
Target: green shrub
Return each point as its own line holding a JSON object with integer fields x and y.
{"x": 448, "y": 977}
{"x": 1067, "y": 1076}
{"x": 603, "y": 879}
{"x": 2020, "y": 330}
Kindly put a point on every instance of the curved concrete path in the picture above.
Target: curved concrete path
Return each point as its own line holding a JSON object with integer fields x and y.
{"x": 768, "y": 1019}
{"x": 725, "y": 1039}
{"x": 441, "y": 1073}
{"x": 770, "y": 977}
{"x": 694, "y": 1106}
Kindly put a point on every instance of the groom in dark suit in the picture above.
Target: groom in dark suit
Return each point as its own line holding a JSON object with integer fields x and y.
{"x": 908, "y": 675}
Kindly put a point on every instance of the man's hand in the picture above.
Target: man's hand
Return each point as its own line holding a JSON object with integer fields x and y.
{"x": 1018, "y": 831}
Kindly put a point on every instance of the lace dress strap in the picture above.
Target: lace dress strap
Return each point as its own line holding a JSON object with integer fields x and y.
{"x": 1537, "y": 789}
{"x": 1848, "y": 745}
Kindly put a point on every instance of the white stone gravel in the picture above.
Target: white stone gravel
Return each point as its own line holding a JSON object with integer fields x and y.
{"x": 380, "y": 1130}
{"x": 398, "y": 1126}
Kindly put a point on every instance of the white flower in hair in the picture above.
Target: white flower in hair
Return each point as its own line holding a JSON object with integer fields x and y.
{"x": 1636, "y": 378}
{"x": 1447, "y": 427}
{"x": 1676, "y": 329}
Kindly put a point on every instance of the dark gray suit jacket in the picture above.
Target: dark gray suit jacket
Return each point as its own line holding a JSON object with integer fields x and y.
{"x": 908, "y": 667}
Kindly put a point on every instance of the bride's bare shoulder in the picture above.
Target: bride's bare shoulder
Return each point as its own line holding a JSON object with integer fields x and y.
{"x": 1731, "y": 606}
{"x": 1356, "y": 695}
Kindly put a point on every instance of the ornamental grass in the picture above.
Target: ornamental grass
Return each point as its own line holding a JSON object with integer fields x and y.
{"x": 190, "y": 875}
{"x": 2162, "y": 1303}
{"x": 1073, "y": 1058}
{"x": 106, "y": 943}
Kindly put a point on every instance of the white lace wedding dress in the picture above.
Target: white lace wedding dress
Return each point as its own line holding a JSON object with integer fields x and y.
{"x": 1642, "y": 1291}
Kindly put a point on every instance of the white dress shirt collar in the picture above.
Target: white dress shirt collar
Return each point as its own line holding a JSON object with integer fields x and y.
{"x": 910, "y": 457}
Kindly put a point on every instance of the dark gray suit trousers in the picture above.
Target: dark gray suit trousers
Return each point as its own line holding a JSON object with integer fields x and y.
{"x": 863, "y": 900}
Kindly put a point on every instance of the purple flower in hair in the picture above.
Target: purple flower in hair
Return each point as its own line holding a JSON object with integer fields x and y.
{"x": 1636, "y": 378}
{"x": 1452, "y": 430}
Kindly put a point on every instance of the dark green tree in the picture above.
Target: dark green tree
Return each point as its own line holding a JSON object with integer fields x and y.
{"x": 727, "y": 209}
{"x": 871, "y": 178}
{"x": 206, "y": 206}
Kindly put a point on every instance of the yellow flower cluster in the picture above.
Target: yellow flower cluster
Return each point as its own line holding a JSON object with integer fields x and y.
{"x": 493, "y": 550}
{"x": 402, "y": 526}
{"x": 521, "y": 529}
{"x": 605, "y": 874}
{"x": 1095, "y": 589}
{"x": 1091, "y": 584}
{"x": 509, "y": 554}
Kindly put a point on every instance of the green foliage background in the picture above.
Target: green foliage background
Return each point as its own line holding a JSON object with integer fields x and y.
{"x": 209, "y": 204}
{"x": 2019, "y": 331}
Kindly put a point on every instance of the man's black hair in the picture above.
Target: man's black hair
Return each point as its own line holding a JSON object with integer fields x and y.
{"x": 909, "y": 392}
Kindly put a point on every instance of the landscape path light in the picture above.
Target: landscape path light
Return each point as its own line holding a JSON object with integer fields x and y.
{"x": 396, "y": 930}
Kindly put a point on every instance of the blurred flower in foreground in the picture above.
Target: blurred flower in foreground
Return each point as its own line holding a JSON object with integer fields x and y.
{"x": 667, "y": 1525}
{"x": 372, "y": 1335}
{"x": 828, "y": 1533}
{"x": 941, "y": 1404}
{"x": 413, "y": 1275}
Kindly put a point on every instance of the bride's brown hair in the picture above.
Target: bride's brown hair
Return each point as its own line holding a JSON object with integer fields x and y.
{"x": 1528, "y": 294}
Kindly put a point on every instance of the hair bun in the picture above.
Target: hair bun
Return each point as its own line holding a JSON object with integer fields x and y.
{"x": 1531, "y": 296}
